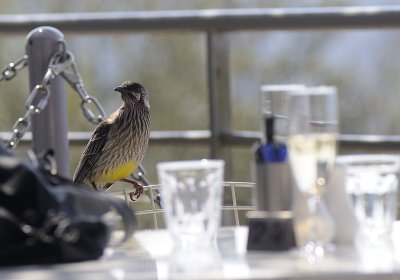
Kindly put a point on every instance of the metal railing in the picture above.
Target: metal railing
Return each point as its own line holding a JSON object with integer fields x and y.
{"x": 154, "y": 212}
{"x": 217, "y": 24}
{"x": 210, "y": 20}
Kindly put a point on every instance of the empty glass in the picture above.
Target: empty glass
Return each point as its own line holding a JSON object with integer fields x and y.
{"x": 274, "y": 102}
{"x": 191, "y": 193}
{"x": 372, "y": 186}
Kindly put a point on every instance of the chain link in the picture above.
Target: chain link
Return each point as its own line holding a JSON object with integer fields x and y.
{"x": 20, "y": 128}
{"x": 10, "y": 71}
{"x": 40, "y": 94}
{"x": 74, "y": 79}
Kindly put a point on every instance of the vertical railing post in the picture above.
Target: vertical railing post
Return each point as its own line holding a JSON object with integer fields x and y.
{"x": 220, "y": 106}
{"x": 49, "y": 128}
{"x": 219, "y": 96}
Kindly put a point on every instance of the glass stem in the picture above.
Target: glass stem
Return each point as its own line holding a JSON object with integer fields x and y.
{"x": 313, "y": 233}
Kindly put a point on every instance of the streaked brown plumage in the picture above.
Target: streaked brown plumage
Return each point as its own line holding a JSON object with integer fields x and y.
{"x": 119, "y": 143}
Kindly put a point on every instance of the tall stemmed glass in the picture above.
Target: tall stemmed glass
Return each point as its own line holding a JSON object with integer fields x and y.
{"x": 313, "y": 126}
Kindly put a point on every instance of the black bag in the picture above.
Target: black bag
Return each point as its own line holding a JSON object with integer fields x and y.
{"x": 48, "y": 219}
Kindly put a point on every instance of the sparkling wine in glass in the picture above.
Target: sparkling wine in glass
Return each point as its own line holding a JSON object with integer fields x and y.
{"x": 313, "y": 124}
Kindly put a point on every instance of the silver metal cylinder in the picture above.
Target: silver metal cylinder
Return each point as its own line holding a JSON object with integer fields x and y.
{"x": 273, "y": 187}
{"x": 49, "y": 128}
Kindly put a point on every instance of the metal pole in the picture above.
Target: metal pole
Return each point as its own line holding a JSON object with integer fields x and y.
{"x": 219, "y": 96}
{"x": 220, "y": 107}
{"x": 49, "y": 128}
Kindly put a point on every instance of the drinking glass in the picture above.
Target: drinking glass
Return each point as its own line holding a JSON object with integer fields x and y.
{"x": 313, "y": 125}
{"x": 191, "y": 193}
{"x": 274, "y": 102}
{"x": 372, "y": 186}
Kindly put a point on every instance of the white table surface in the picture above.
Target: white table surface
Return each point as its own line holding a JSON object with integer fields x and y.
{"x": 149, "y": 255}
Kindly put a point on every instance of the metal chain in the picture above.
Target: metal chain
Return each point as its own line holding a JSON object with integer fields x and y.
{"x": 40, "y": 94}
{"x": 10, "y": 71}
{"x": 74, "y": 79}
{"x": 36, "y": 102}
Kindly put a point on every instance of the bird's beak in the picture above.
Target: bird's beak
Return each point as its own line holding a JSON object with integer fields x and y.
{"x": 123, "y": 90}
{"x": 120, "y": 89}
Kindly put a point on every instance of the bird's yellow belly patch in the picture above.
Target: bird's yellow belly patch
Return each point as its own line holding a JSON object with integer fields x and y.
{"x": 117, "y": 174}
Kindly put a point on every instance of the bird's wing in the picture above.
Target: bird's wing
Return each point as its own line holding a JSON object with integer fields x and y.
{"x": 92, "y": 151}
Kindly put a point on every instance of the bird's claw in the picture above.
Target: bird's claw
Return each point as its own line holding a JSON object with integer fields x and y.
{"x": 138, "y": 189}
{"x": 136, "y": 194}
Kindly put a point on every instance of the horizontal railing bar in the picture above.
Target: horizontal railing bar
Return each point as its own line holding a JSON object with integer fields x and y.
{"x": 200, "y": 20}
{"x": 180, "y": 137}
{"x": 345, "y": 140}
{"x": 241, "y": 138}
{"x": 156, "y": 137}
{"x": 238, "y": 207}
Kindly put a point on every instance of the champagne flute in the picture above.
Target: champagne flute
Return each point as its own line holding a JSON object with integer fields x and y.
{"x": 313, "y": 125}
